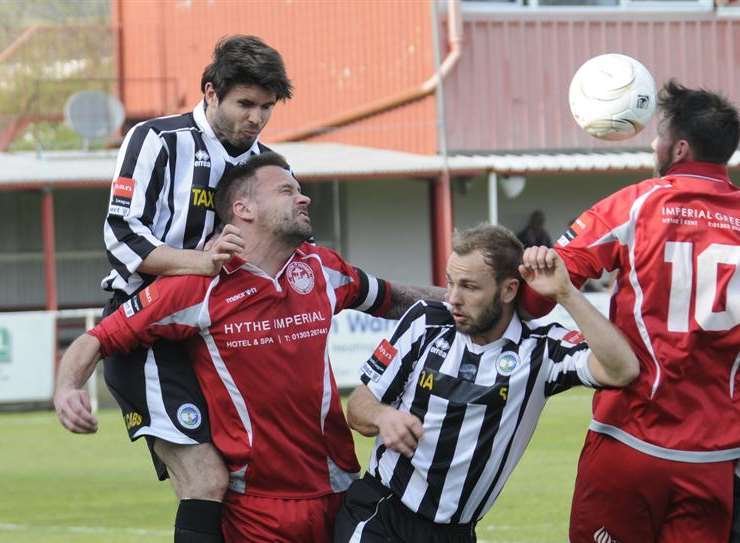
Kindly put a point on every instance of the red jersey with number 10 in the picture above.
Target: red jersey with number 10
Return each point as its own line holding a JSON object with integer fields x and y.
{"x": 676, "y": 243}
{"x": 259, "y": 348}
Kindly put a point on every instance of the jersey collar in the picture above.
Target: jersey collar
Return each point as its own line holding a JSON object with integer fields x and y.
{"x": 513, "y": 333}
{"x": 701, "y": 170}
{"x": 199, "y": 114}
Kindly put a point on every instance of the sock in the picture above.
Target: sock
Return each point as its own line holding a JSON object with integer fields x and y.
{"x": 198, "y": 521}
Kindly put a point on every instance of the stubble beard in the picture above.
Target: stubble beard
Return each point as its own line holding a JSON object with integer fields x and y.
{"x": 486, "y": 321}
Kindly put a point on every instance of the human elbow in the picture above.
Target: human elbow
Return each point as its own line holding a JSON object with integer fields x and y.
{"x": 629, "y": 372}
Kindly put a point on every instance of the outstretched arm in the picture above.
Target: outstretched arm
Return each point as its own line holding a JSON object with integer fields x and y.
{"x": 612, "y": 361}
{"x": 399, "y": 430}
{"x": 72, "y": 404}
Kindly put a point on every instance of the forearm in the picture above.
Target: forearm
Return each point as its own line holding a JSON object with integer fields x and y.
{"x": 616, "y": 363}
{"x": 78, "y": 362}
{"x": 165, "y": 260}
{"x": 363, "y": 410}
{"x": 404, "y": 296}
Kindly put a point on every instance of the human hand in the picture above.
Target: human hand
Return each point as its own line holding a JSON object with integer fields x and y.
{"x": 544, "y": 271}
{"x": 74, "y": 411}
{"x": 399, "y": 430}
{"x": 220, "y": 249}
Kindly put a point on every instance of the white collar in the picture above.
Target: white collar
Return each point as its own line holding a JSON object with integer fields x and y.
{"x": 199, "y": 114}
{"x": 512, "y": 333}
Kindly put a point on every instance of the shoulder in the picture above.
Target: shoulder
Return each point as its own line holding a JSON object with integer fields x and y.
{"x": 554, "y": 331}
{"x": 435, "y": 314}
{"x": 170, "y": 123}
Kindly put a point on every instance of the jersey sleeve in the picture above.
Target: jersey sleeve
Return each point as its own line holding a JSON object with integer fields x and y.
{"x": 596, "y": 241}
{"x": 354, "y": 288}
{"x": 566, "y": 361}
{"x": 172, "y": 308}
{"x": 388, "y": 369}
{"x": 139, "y": 179}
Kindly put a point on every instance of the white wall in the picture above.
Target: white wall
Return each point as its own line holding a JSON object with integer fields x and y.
{"x": 386, "y": 229}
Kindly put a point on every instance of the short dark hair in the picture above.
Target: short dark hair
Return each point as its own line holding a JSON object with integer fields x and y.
{"x": 246, "y": 60}
{"x": 239, "y": 181}
{"x": 501, "y": 249}
{"x": 706, "y": 120}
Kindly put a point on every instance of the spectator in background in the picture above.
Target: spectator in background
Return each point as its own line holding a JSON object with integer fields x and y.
{"x": 534, "y": 233}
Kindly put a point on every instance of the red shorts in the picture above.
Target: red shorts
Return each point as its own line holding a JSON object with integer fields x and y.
{"x": 267, "y": 520}
{"x": 625, "y": 496}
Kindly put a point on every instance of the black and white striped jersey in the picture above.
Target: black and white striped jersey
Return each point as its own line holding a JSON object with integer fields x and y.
{"x": 479, "y": 405}
{"x": 166, "y": 176}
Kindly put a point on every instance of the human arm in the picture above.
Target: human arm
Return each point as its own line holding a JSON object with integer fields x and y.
{"x": 611, "y": 360}
{"x": 165, "y": 260}
{"x": 404, "y": 296}
{"x": 399, "y": 430}
{"x": 71, "y": 403}
{"x": 140, "y": 193}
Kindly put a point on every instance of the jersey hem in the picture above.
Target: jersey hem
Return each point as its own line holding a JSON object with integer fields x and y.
{"x": 678, "y": 455}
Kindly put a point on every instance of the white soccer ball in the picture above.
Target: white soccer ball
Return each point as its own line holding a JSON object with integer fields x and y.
{"x": 612, "y": 97}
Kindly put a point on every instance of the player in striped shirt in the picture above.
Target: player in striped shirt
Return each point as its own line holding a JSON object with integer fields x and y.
{"x": 455, "y": 395}
{"x": 160, "y": 215}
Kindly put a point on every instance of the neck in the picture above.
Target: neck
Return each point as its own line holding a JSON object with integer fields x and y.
{"x": 496, "y": 331}
{"x": 266, "y": 252}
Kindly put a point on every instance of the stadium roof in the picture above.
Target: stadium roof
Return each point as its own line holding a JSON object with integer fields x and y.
{"x": 326, "y": 161}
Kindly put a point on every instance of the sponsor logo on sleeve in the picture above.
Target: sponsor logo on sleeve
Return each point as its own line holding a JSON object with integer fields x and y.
{"x": 578, "y": 227}
{"x": 123, "y": 193}
{"x": 300, "y": 277}
{"x": 143, "y": 299}
{"x": 574, "y": 337}
{"x": 380, "y": 359}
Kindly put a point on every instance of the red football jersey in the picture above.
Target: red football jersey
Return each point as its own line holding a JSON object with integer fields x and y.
{"x": 259, "y": 348}
{"x": 675, "y": 242}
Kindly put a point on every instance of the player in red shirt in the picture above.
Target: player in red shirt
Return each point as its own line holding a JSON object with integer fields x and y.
{"x": 257, "y": 334}
{"x": 658, "y": 460}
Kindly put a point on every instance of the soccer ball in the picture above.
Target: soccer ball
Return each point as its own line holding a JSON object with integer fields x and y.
{"x": 612, "y": 97}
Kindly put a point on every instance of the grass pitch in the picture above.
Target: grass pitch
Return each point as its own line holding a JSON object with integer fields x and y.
{"x": 64, "y": 488}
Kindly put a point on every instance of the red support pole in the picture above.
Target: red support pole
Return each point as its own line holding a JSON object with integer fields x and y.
{"x": 47, "y": 232}
{"x": 441, "y": 226}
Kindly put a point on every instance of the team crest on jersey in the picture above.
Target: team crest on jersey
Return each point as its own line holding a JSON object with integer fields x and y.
{"x": 188, "y": 415}
{"x": 300, "y": 277}
{"x": 506, "y": 363}
{"x": 122, "y": 194}
{"x": 144, "y": 298}
{"x": 202, "y": 159}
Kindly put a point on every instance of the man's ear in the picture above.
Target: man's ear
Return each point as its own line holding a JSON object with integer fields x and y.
{"x": 509, "y": 289}
{"x": 210, "y": 95}
{"x": 682, "y": 152}
{"x": 244, "y": 208}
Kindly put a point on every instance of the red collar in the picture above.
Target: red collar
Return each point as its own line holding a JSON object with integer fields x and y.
{"x": 234, "y": 264}
{"x": 714, "y": 171}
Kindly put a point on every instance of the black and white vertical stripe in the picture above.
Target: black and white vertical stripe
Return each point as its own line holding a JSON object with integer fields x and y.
{"x": 477, "y": 420}
{"x": 172, "y": 160}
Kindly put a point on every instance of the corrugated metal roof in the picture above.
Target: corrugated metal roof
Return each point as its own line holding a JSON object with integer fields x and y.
{"x": 564, "y": 162}
{"x": 326, "y": 161}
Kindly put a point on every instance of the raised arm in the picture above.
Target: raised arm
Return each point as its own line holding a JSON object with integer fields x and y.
{"x": 72, "y": 404}
{"x": 612, "y": 361}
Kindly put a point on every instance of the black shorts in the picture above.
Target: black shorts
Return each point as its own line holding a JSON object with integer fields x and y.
{"x": 158, "y": 393}
{"x": 371, "y": 513}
